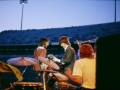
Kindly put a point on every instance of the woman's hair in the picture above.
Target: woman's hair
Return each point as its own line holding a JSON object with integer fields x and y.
{"x": 86, "y": 51}
{"x": 64, "y": 39}
{"x": 43, "y": 41}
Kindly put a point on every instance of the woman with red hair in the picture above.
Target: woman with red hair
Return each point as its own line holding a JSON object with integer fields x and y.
{"x": 84, "y": 71}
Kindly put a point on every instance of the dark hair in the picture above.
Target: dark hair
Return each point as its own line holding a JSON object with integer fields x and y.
{"x": 43, "y": 41}
{"x": 64, "y": 39}
{"x": 86, "y": 51}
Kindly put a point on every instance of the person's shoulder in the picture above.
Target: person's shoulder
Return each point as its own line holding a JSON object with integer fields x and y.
{"x": 70, "y": 47}
{"x": 79, "y": 60}
{"x": 42, "y": 50}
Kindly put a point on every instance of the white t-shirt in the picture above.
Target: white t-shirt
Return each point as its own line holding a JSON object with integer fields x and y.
{"x": 86, "y": 68}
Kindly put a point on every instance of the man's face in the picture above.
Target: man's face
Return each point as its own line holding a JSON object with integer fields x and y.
{"x": 63, "y": 45}
{"x": 46, "y": 44}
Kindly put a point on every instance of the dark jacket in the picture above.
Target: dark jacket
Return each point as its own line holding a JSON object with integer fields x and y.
{"x": 69, "y": 58}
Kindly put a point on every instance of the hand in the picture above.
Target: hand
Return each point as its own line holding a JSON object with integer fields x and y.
{"x": 44, "y": 66}
{"x": 68, "y": 72}
{"x": 55, "y": 59}
{"x": 50, "y": 56}
{"x": 39, "y": 75}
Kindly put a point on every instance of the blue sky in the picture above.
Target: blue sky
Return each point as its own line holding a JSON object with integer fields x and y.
{"x": 41, "y": 14}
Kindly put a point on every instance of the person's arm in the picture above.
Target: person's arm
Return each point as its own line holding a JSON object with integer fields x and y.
{"x": 79, "y": 43}
{"x": 68, "y": 56}
{"x": 75, "y": 78}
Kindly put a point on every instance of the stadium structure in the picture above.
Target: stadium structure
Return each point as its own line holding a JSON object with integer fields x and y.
{"x": 15, "y": 43}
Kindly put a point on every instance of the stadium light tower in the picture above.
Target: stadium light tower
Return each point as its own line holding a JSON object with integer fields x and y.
{"x": 115, "y": 10}
{"x": 22, "y": 2}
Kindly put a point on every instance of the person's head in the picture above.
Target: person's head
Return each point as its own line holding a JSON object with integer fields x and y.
{"x": 64, "y": 41}
{"x": 44, "y": 42}
{"x": 86, "y": 51}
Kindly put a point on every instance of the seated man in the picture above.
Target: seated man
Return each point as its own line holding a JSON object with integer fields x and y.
{"x": 84, "y": 71}
{"x": 41, "y": 50}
